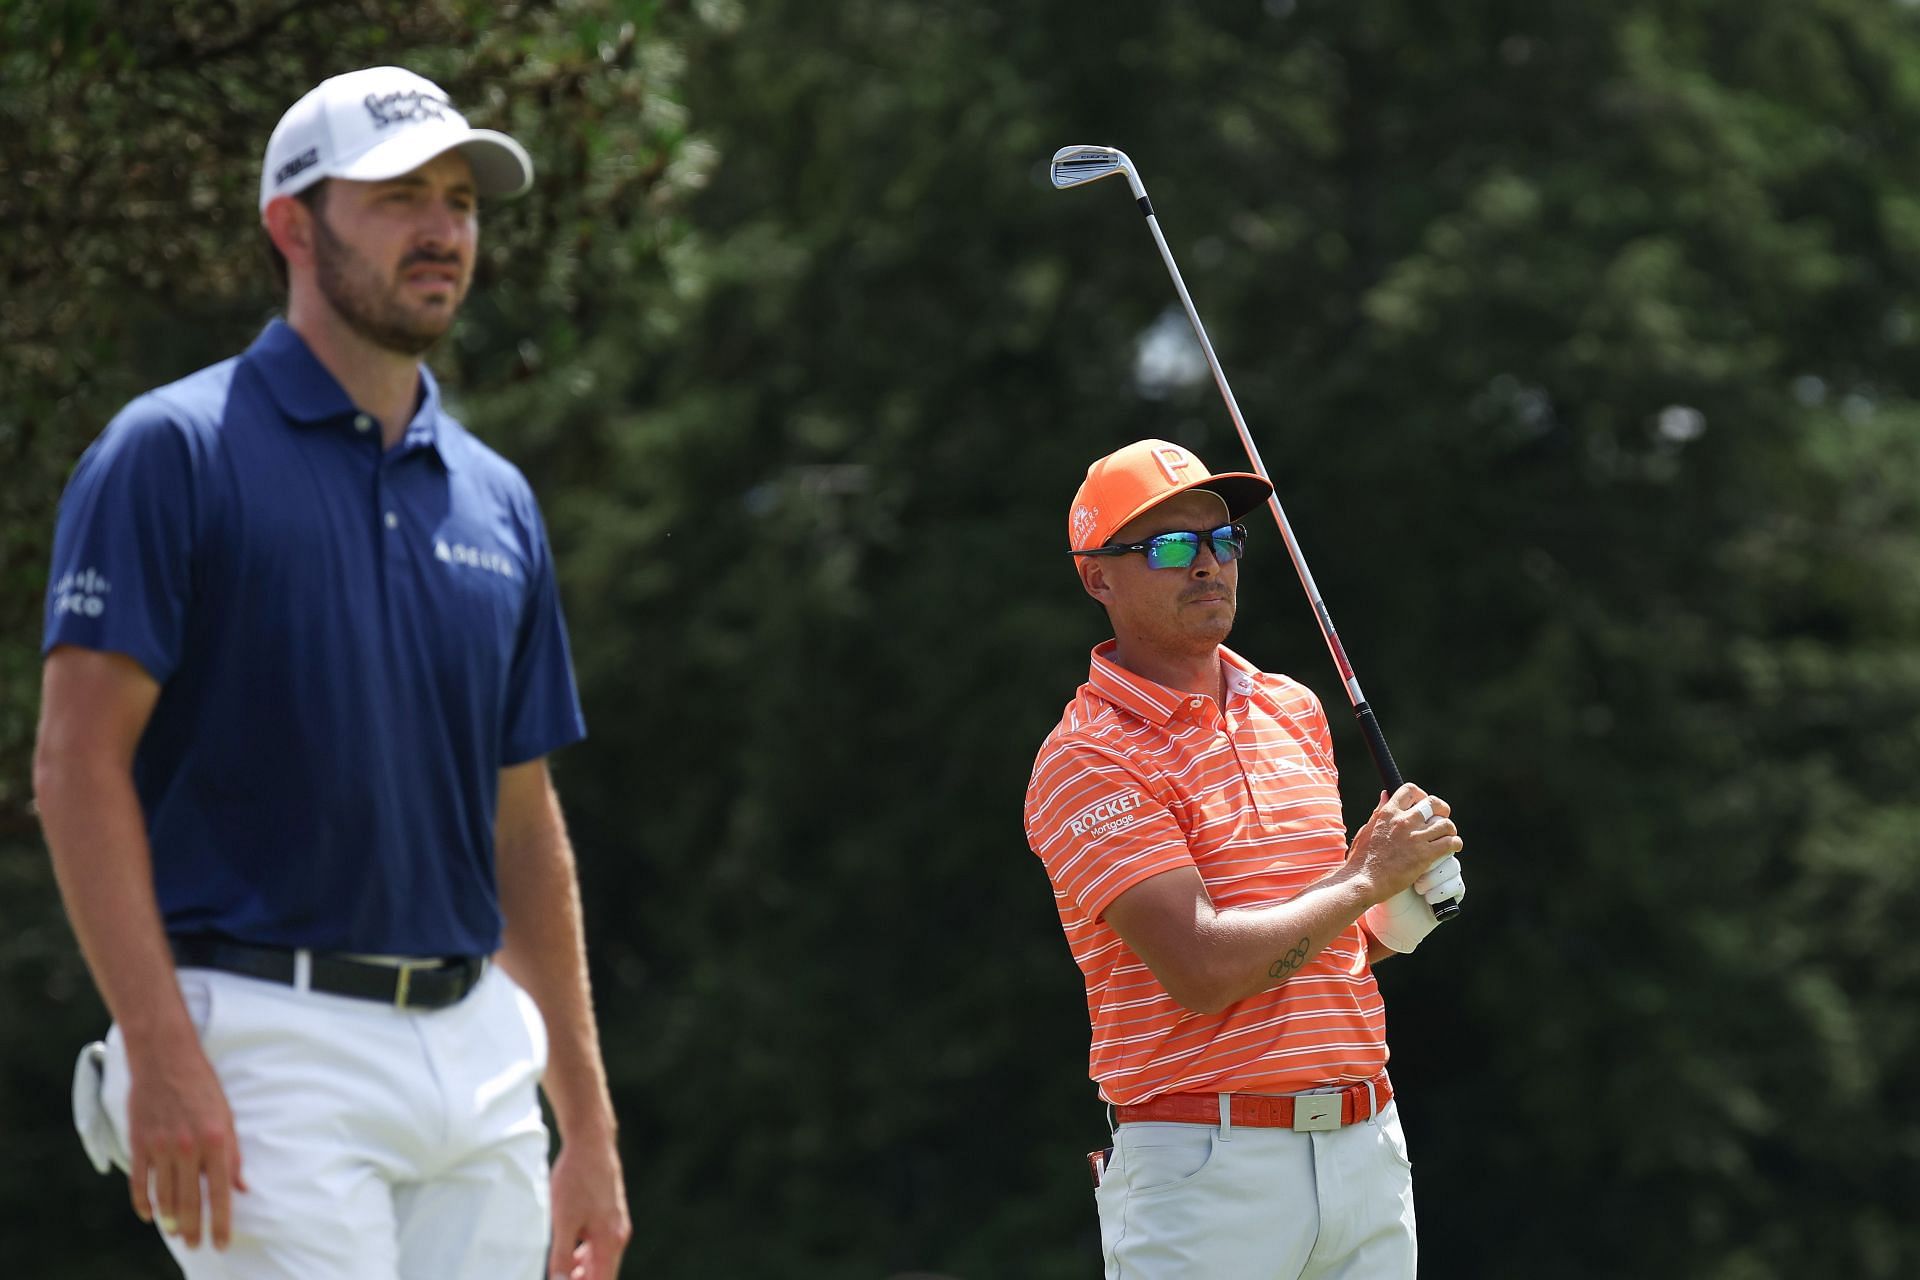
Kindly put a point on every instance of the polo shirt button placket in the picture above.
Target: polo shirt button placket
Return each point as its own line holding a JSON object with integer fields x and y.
{"x": 393, "y": 552}
{"x": 1262, "y": 804}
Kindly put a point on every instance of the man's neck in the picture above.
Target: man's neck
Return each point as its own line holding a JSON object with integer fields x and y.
{"x": 384, "y": 383}
{"x": 1201, "y": 673}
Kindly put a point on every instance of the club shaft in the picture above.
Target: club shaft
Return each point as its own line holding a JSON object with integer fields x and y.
{"x": 1369, "y": 723}
{"x": 1320, "y": 614}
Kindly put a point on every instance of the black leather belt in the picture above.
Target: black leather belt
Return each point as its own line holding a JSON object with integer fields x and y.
{"x": 433, "y": 985}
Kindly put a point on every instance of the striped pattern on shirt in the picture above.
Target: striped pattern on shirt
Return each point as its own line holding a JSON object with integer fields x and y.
{"x": 1139, "y": 779}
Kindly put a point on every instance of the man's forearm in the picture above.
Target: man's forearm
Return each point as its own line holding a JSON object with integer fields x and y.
{"x": 1261, "y": 947}
{"x": 97, "y": 837}
{"x": 545, "y": 952}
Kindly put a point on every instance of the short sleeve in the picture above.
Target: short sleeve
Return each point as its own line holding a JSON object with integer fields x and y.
{"x": 1097, "y": 827}
{"x": 122, "y": 572}
{"x": 543, "y": 705}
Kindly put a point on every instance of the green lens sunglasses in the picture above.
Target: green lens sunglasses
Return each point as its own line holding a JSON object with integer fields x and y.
{"x": 1180, "y": 548}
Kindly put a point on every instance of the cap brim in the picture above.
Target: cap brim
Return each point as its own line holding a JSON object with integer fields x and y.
{"x": 1242, "y": 491}
{"x": 501, "y": 166}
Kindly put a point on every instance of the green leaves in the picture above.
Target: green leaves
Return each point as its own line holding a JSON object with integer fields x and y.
{"x": 1579, "y": 339}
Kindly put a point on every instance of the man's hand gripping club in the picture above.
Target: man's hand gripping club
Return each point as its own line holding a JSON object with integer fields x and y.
{"x": 1408, "y": 851}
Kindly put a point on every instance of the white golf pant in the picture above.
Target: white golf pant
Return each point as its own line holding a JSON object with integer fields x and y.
{"x": 376, "y": 1143}
{"x": 1214, "y": 1202}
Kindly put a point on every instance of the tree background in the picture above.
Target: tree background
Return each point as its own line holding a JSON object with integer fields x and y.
{"x": 1580, "y": 340}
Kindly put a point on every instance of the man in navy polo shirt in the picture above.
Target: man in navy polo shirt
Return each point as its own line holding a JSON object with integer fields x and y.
{"x": 304, "y": 662}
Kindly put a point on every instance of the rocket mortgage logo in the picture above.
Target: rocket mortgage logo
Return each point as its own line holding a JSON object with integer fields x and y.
{"x": 1115, "y": 813}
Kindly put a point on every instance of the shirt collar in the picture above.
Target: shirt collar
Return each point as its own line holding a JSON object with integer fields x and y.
{"x": 1149, "y": 699}
{"x": 1242, "y": 676}
{"x": 295, "y": 378}
{"x": 308, "y": 394}
{"x": 428, "y": 428}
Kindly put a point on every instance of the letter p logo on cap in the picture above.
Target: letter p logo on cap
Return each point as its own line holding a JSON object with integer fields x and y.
{"x": 1173, "y": 460}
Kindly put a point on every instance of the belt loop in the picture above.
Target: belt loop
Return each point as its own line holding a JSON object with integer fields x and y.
{"x": 1373, "y": 1104}
{"x": 1112, "y": 1128}
{"x": 1226, "y": 1117}
{"x": 303, "y": 970}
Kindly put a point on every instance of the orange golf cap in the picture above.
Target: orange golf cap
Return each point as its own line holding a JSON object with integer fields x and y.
{"x": 1125, "y": 483}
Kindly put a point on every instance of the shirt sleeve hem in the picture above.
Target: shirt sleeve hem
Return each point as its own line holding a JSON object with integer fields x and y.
{"x": 515, "y": 754}
{"x": 148, "y": 657}
{"x": 1097, "y": 908}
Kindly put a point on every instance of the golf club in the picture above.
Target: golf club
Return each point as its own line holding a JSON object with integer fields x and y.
{"x": 1078, "y": 165}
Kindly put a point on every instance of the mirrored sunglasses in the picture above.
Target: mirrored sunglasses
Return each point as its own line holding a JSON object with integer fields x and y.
{"x": 1180, "y": 548}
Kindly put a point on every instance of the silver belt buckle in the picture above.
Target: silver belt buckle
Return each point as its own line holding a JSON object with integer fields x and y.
{"x": 1316, "y": 1112}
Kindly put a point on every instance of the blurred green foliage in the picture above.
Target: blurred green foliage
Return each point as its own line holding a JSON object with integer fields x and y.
{"x": 1580, "y": 340}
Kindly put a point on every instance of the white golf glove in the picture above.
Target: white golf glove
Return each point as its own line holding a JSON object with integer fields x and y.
{"x": 1404, "y": 919}
{"x": 1443, "y": 880}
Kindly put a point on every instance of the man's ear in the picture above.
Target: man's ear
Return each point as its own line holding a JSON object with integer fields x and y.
{"x": 1093, "y": 577}
{"x": 290, "y": 225}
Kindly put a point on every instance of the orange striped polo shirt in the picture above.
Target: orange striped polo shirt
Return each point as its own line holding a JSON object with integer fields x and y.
{"x": 1138, "y": 779}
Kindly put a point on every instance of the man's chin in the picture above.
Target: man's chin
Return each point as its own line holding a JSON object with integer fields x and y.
{"x": 413, "y": 323}
{"x": 428, "y": 324}
{"x": 1215, "y": 620}
{"x": 413, "y": 347}
{"x": 1205, "y": 637}
{"x": 414, "y": 339}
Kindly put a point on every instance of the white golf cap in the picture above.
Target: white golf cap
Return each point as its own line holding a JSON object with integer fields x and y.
{"x": 380, "y": 123}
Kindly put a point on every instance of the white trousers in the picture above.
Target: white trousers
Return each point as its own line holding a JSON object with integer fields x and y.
{"x": 377, "y": 1143}
{"x": 1207, "y": 1202}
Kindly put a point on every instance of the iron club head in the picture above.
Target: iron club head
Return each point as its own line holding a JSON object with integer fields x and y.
{"x": 1078, "y": 165}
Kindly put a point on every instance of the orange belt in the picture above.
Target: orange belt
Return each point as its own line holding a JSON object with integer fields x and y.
{"x": 1307, "y": 1112}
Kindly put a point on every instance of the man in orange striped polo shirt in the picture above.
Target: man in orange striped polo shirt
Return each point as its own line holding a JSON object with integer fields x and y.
{"x": 1187, "y": 810}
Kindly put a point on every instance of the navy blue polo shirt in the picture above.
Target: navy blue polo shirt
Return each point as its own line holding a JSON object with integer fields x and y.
{"x": 350, "y": 643}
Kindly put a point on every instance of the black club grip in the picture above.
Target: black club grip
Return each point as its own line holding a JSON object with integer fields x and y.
{"x": 1390, "y": 777}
